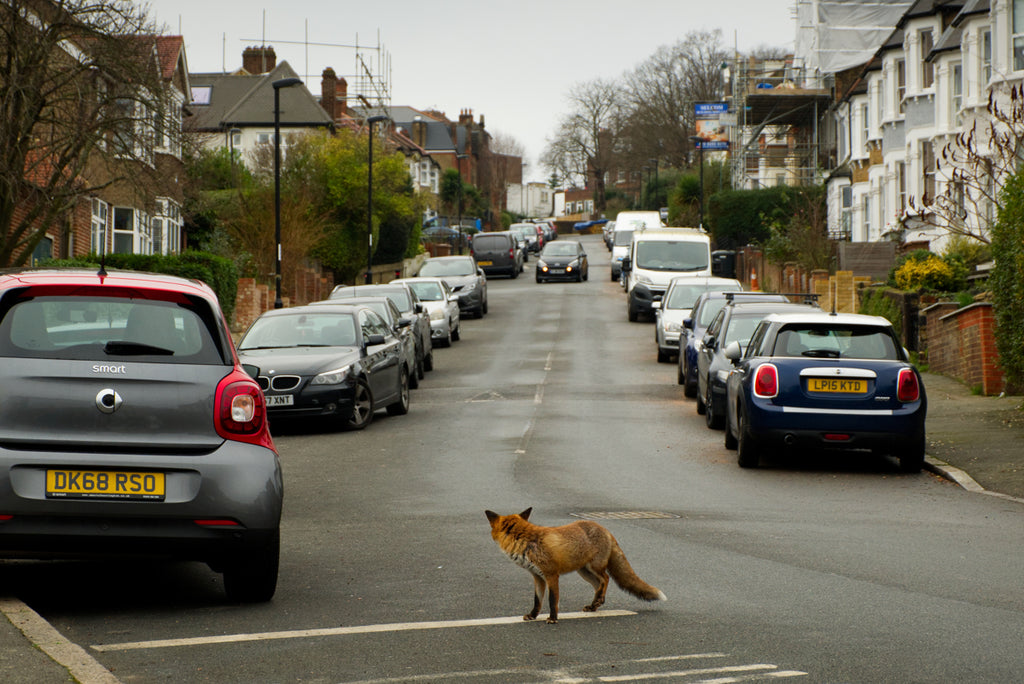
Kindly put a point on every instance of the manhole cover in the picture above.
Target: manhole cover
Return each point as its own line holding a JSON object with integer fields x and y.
{"x": 625, "y": 515}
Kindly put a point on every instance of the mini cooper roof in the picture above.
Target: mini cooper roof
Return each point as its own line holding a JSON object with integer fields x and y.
{"x": 82, "y": 277}
{"x": 819, "y": 317}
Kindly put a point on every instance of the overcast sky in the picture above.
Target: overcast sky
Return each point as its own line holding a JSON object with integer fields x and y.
{"x": 511, "y": 62}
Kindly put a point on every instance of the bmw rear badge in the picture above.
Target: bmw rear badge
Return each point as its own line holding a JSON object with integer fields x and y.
{"x": 108, "y": 400}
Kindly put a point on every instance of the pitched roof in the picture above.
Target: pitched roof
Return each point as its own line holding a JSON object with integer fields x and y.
{"x": 244, "y": 100}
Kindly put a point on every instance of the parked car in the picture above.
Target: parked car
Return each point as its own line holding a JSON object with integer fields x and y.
{"x": 608, "y": 234}
{"x": 735, "y": 322}
{"x": 524, "y": 248}
{"x": 655, "y": 257}
{"x": 533, "y": 235}
{"x": 497, "y": 253}
{"x": 442, "y": 307}
{"x": 338, "y": 362}
{"x": 410, "y": 306}
{"x": 465, "y": 279}
{"x": 549, "y": 228}
{"x": 399, "y": 324}
{"x": 130, "y": 427}
{"x": 824, "y": 380}
{"x": 563, "y": 260}
{"x": 678, "y": 301}
{"x": 696, "y": 324}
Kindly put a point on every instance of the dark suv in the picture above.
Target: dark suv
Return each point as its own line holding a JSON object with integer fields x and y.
{"x": 497, "y": 253}
{"x": 129, "y": 427}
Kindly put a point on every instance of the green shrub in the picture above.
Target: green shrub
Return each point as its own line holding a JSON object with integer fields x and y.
{"x": 1007, "y": 280}
{"x": 880, "y": 301}
{"x": 923, "y": 270}
{"x": 217, "y": 272}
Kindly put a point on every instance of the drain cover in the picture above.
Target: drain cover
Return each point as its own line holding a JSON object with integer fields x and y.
{"x": 625, "y": 515}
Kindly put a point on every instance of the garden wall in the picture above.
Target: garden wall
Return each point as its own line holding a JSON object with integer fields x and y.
{"x": 960, "y": 343}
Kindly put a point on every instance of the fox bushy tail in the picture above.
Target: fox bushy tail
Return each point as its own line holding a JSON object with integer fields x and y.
{"x": 623, "y": 574}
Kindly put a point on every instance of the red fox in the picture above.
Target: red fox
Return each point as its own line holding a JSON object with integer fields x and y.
{"x": 582, "y": 546}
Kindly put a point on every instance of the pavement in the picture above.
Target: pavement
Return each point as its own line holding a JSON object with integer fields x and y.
{"x": 975, "y": 442}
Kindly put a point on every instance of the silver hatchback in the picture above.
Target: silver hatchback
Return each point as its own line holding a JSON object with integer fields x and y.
{"x": 129, "y": 427}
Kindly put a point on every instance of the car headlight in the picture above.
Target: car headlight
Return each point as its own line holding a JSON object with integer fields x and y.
{"x": 671, "y": 326}
{"x": 574, "y": 263}
{"x": 437, "y": 315}
{"x": 331, "y": 377}
{"x": 541, "y": 264}
{"x": 643, "y": 280}
{"x": 466, "y": 289}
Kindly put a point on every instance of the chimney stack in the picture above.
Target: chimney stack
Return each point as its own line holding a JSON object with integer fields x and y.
{"x": 328, "y": 85}
{"x": 419, "y": 131}
{"x": 341, "y": 98}
{"x": 259, "y": 60}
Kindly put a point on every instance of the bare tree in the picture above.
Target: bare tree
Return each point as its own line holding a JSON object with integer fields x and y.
{"x": 80, "y": 101}
{"x": 661, "y": 94}
{"x": 975, "y": 163}
{"x": 585, "y": 141}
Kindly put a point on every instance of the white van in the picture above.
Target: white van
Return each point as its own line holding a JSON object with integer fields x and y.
{"x": 656, "y": 257}
{"x": 628, "y": 222}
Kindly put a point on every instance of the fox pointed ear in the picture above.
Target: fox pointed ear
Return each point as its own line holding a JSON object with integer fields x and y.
{"x": 525, "y": 515}
{"x": 491, "y": 515}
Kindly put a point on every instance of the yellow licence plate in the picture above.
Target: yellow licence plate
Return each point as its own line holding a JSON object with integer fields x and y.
{"x": 837, "y": 385}
{"x": 485, "y": 263}
{"x": 104, "y": 484}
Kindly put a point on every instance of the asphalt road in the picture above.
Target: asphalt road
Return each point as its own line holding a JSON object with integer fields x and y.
{"x": 838, "y": 570}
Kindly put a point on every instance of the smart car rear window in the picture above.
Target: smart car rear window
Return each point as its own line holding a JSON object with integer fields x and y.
{"x": 105, "y": 329}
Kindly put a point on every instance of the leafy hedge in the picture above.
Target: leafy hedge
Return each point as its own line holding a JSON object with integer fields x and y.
{"x": 880, "y": 301}
{"x": 217, "y": 272}
{"x": 1007, "y": 280}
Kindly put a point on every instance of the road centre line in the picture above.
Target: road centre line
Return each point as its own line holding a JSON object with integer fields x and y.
{"x": 341, "y": 631}
{"x": 728, "y": 669}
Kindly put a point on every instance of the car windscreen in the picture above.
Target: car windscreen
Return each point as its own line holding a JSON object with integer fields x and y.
{"x": 301, "y": 330}
{"x": 661, "y": 255}
{"x": 836, "y": 341}
{"x": 623, "y": 238}
{"x": 396, "y": 294}
{"x": 560, "y": 249}
{"x": 427, "y": 291}
{"x": 683, "y": 296}
{"x": 741, "y": 329}
{"x": 107, "y": 328}
{"x": 447, "y": 267}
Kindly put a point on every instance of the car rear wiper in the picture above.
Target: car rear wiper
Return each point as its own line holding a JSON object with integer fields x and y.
{"x": 121, "y": 347}
{"x": 821, "y": 353}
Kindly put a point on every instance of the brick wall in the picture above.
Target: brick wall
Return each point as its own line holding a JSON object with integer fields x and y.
{"x": 960, "y": 343}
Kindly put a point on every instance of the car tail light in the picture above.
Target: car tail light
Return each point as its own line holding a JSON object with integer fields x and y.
{"x": 766, "y": 381}
{"x": 907, "y": 387}
{"x": 217, "y": 522}
{"x": 511, "y": 253}
{"x": 240, "y": 410}
{"x": 5, "y": 517}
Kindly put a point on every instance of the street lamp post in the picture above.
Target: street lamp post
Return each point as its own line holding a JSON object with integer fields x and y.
{"x": 657, "y": 201}
{"x": 698, "y": 142}
{"x": 369, "y": 198}
{"x": 282, "y": 83}
{"x": 458, "y": 160}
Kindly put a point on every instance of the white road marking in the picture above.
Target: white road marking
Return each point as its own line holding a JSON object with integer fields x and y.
{"x": 342, "y": 631}
{"x": 82, "y": 666}
{"x": 688, "y": 673}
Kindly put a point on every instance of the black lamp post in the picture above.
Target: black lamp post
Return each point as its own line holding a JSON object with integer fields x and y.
{"x": 283, "y": 83}
{"x": 698, "y": 142}
{"x": 458, "y": 160}
{"x": 369, "y": 198}
{"x": 657, "y": 201}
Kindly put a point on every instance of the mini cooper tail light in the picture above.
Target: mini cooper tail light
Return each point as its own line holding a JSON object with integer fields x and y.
{"x": 766, "y": 381}
{"x": 240, "y": 411}
{"x": 216, "y": 522}
{"x": 907, "y": 387}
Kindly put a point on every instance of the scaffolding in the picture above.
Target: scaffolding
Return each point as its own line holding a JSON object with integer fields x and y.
{"x": 777, "y": 136}
{"x": 369, "y": 84}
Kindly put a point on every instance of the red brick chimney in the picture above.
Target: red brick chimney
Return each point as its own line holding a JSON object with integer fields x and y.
{"x": 328, "y": 86}
{"x": 419, "y": 131}
{"x": 341, "y": 98}
{"x": 259, "y": 60}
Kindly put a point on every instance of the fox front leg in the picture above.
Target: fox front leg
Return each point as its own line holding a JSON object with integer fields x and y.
{"x": 539, "y": 586}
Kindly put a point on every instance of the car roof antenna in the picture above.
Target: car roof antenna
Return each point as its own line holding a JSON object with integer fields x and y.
{"x": 103, "y": 259}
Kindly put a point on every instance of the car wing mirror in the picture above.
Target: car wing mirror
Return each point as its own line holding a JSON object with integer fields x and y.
{"x": 251, "y": 370}
{"x": 404, "y": 322}
{"x": 372, "y": 340}
{"x": 733, "y": 351}
{"x": 626, "y": 263}
{"x": 419, "y": 308}
{"x": 688, "y": 323}
{"x": 656, "y": 304}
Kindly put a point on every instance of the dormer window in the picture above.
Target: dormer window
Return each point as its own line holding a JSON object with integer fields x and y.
{"x": 201, "y": 95}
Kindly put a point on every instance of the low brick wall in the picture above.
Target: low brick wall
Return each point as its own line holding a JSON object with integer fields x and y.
{"x": 960, "y": 343}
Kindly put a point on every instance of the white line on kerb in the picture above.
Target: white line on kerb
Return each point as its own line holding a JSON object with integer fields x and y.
{"x": 341, "y": 631}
